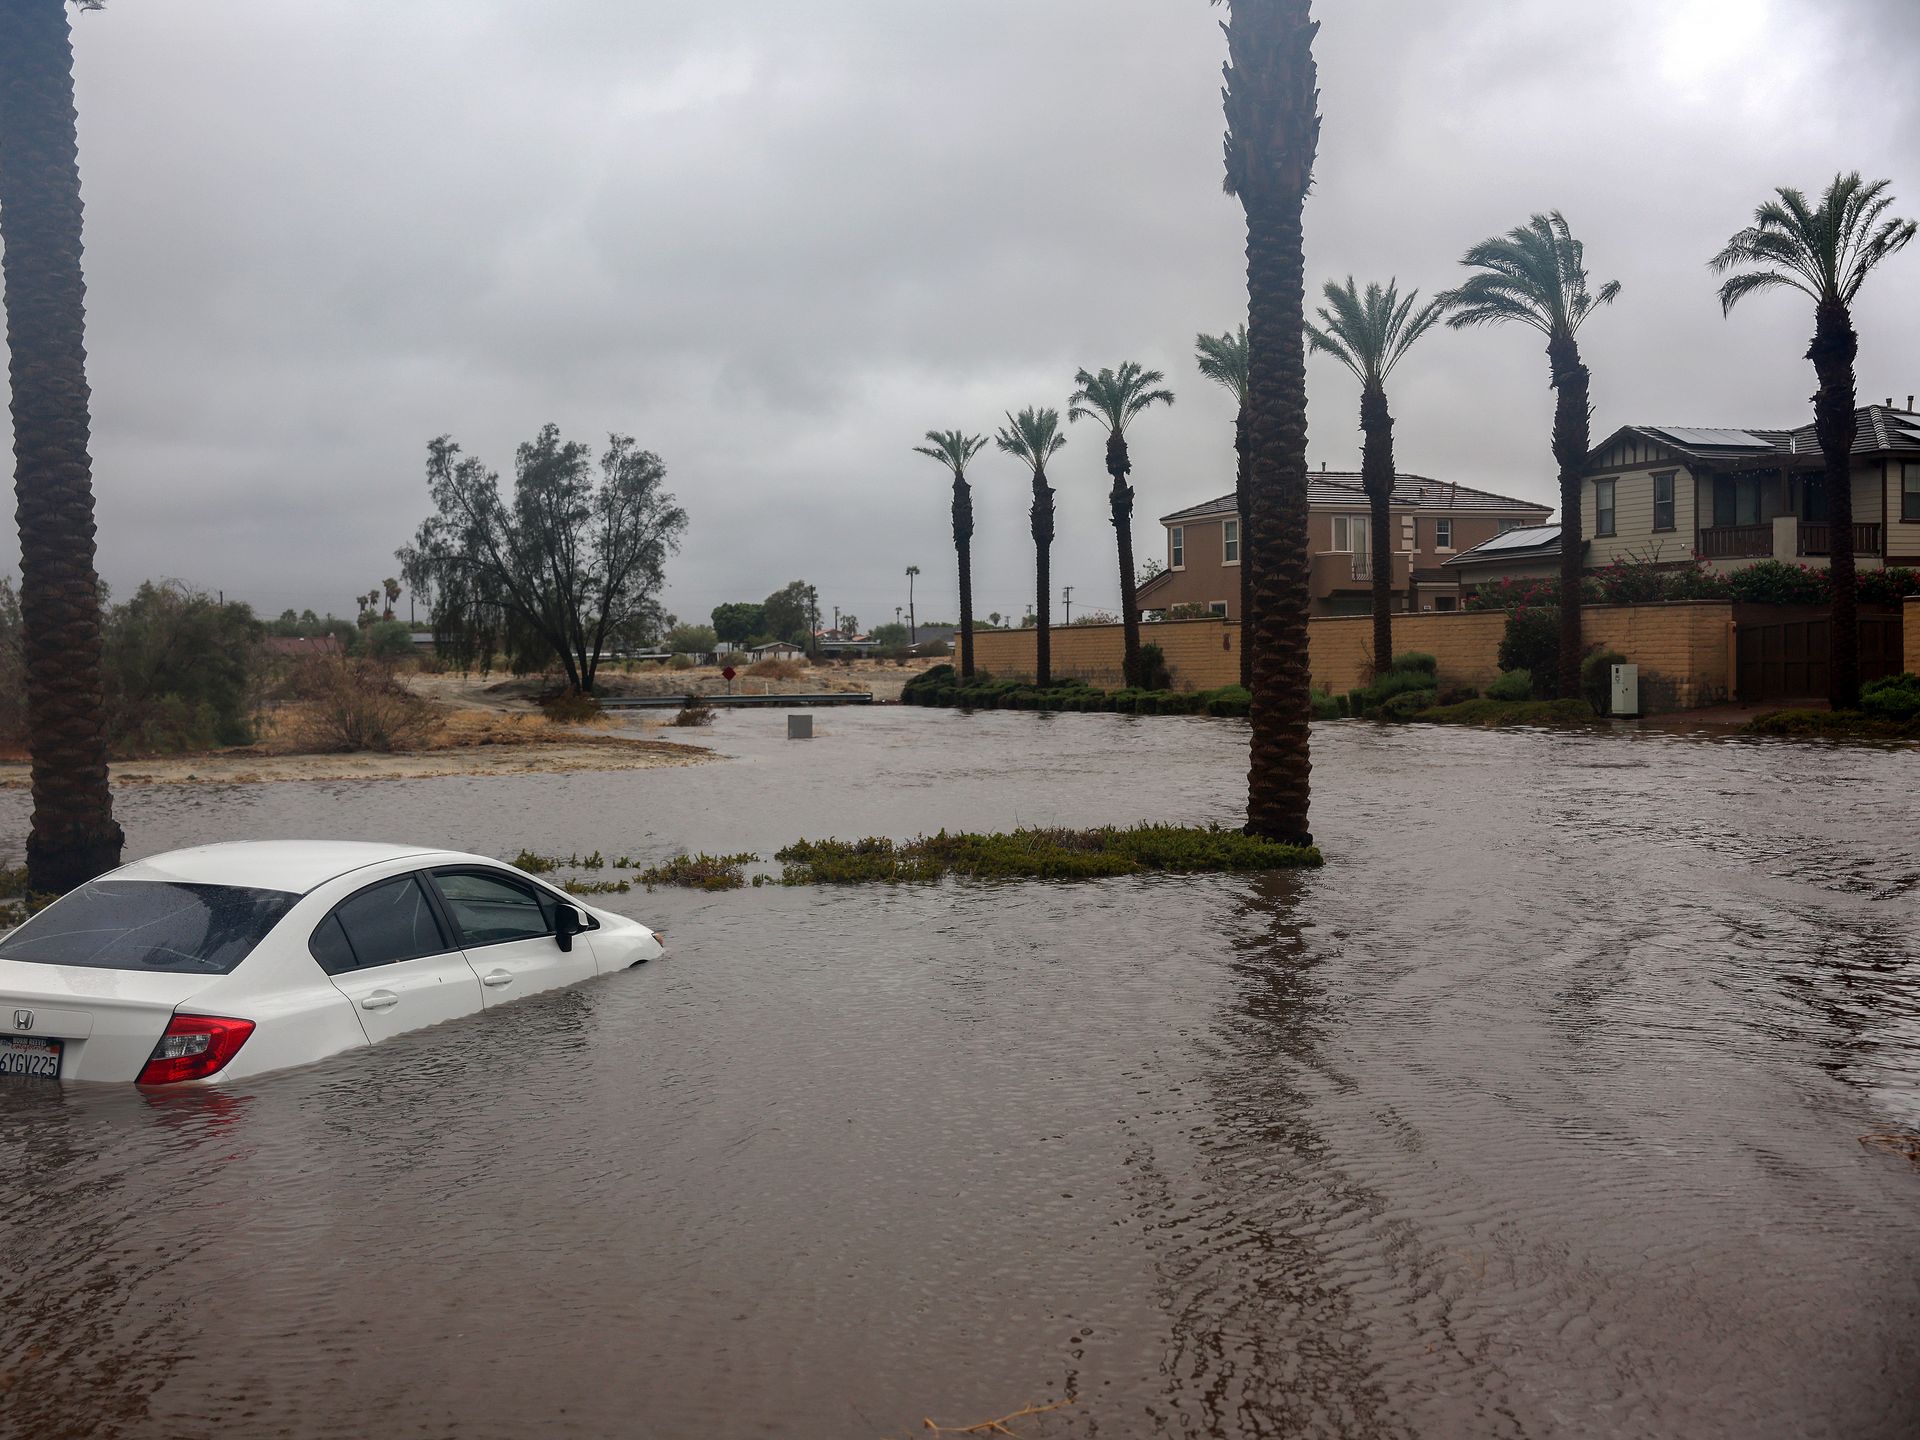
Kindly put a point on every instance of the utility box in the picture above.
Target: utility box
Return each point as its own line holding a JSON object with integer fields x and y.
{"x": 799, "y": 727}
{"x": 1626, "y": 690}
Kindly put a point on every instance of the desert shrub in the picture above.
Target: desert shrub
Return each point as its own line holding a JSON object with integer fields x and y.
{"x": 680, "y": 662}
{"x": 699, "y": 872}
{"x": 1596, "y": 678}
{"x": 1325, "y": 707}
{"x": 1396, "y": 682}
{"x": 696, "y": 711}
{"x": 1893, "y": 697}
{"x": 1403, "y": 705}
{"x": 1532, "y": 643}
{"x": 183, "y": 671}
{"x": 1512, "y": 685}
{"x": 360, "y": 705}
{"x": 571, "y": 707}
{"x": 927, "y": 649}
{"x": 781, "y": 669}
{"x": 1456, "y": 695}
{"x": 1040, "y": 854}
{"x": 387, "y": 640}
{"x": 1501, "y": 712}
{"x": 1415, "y": 662}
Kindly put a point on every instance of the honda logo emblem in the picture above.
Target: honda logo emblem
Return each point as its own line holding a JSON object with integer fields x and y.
{"x": 23, "y": 1019}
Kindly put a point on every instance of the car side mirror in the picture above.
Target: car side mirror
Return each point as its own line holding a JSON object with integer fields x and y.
{"x": 568, "y": 923}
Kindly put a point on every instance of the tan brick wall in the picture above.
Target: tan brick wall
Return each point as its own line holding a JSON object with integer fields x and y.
{"x": 1685, "y": 652}
{"x": 1910, "y": 629}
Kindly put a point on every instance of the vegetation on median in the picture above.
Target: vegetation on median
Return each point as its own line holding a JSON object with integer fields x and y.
{"x": 1889, "y": 710}
{"x": 941, "y": 687}
{"x": 1037, "y": 854}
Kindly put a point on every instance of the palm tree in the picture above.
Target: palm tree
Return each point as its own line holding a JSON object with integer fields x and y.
{"x": 1223, "y": 360}
{"x": 1273, "y": 132}
{"x": 1116, "y": 398}
{"x": 1368, "y": 334}
{"x": 955, "y": 451}
{"x": 1536, "y": 274}
{"x": 73, "y": 836}
{"x": 1826, "y": 254}
{"x": 1033, "y": 436}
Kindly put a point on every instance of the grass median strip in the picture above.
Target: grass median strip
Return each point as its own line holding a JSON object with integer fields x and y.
{"x": 1036, "y": 854}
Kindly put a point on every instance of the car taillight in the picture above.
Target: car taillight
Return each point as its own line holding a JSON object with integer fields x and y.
{"x": 194, "y": 1047}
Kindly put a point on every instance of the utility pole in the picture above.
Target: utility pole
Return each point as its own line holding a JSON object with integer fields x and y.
{"x": 1066, "y": 601}
{"x": 836, "y": 619}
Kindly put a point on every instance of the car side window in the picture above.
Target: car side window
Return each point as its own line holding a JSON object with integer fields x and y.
{"x": 493, "y": 909}
{"x": 382, "y": 925}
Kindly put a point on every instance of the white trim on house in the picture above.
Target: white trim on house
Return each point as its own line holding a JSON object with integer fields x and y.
{"x": 1230, "y": 541}
{"x": 1176, "y": 547}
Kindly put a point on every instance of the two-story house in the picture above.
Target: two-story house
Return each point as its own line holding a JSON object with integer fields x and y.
{"x": 1667, "y": 493}
{"x": 1431, "y": 520}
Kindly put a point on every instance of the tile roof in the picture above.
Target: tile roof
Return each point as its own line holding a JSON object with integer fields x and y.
{"x": 1341, "y": 489}
{"x": 1528, "y": 542}
{"x": 1878, "y": 429}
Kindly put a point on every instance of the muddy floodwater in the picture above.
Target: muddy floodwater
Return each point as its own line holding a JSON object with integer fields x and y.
{"x": 1538, "y": 1111}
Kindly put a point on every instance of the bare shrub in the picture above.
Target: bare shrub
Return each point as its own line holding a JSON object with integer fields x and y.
{"x": 571, "y": 707}
{"x": 353, "y": 705}
{"x": 777, "y": 670}
{"x": 695, "y": 712}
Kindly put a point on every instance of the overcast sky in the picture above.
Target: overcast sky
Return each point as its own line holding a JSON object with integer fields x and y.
{"x": 777, "y": 241}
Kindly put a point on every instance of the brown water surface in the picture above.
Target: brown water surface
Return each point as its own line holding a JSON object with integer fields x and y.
{"x": 1536, "y": 1112}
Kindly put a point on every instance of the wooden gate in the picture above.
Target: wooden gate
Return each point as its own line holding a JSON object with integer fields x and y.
{"x": 1783, "y": 651}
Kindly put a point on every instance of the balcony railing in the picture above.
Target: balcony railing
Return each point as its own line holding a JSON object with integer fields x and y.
{"x": 1816, "y": 538}
{"x": 1737, "y": 542}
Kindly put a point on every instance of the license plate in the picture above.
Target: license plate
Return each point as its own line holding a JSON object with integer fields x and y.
{"x": 30, "y": 1059}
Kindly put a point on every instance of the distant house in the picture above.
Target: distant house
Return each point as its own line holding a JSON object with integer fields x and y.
{"x": 1431, "y": 520}
{"x": 1527, "y": 552}
{"x": 1668, "y": 493}
{"x": 298, "y": 646}
{"x": 777, "y": 650}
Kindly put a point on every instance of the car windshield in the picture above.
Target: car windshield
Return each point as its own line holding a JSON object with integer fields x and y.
{"x": 150, "y": 925}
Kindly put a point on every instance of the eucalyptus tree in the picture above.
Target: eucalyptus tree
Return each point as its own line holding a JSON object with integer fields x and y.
{"x": 1273, "y": 133}
{"x": 1826, "y": 253}
{"x": 1116, "y": 398}
{"x": 1369, "y": 334}
{"x": 1536, "y": 275}
{"x": 956, "y": 450}
{"x": 73, "y": 835}
{"x": 1223, "y": 360}
{"x": 1033, "y": 437}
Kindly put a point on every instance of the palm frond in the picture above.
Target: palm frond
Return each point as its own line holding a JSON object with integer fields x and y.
{"x": 952, "y": 448}
{"x": 1223, "y": 360}
{"x": 1369, "y": 333}
{"x": 1116, "y": 397}
{"x": 1535, "y": 274}
{"x": 1825, "y": 251}
{"x": 1033, "y": 436}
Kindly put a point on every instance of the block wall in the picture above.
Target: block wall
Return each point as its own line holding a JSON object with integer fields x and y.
{"x": 1684, "y": 651}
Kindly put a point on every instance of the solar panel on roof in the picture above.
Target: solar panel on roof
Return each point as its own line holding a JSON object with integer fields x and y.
{"x": 1520, "y": 539}
{"x": 1912, "y": 435}
{"x": 1718, "y": 439}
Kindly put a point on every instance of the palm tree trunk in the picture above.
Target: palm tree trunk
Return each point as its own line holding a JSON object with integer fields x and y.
{"x": 963, "y": 545}
{"x": 73, "y": 836}
{"x": 1278, "y": 776}
{"x": 1832, "y": 352}
{"x": 1571, "y": 413}
{"x": 1120, "y": 502}
{"x": 1376, "y": 478}
{"x": 1042, "y": 518}
{"x": 1242, "y": 476}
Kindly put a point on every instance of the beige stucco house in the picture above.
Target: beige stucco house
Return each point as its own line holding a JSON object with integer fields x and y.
{"x": 1432, "y": 520}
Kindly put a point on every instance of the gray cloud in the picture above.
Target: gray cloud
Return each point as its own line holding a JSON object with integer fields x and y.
{"x": 776, "y": 242}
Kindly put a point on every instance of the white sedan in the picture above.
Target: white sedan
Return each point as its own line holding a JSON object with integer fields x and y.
{"x": 220, "y": 962}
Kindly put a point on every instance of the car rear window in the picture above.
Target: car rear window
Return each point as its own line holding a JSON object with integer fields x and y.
{"x": 152, "y": 925}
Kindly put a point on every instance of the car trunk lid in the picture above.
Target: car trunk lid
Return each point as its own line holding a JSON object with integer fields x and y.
{"x": 106, "y": 1021}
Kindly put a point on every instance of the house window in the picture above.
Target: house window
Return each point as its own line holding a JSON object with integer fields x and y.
{"x": 1507, "y": 522}
{"x": 1179, "y": 537}
{"x": 1909, "y": 490}
{"x": 1444, "y": 602}
{"x": 1217, "y": 607}
{"x": 1350, "y": 532}
{"x": 1443, "y": 534}
{"x": 1736, "y": 500}
{"x": 1603, "y": 511}
{"x": 1662, "y": 502}
{"x": 1230, "y": 543}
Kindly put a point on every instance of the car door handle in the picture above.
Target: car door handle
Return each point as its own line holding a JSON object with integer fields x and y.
{"x": 380, "y": 1000}
{"x": 496, "y": 979}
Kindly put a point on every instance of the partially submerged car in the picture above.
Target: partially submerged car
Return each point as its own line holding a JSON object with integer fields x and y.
{"x": 223, "y": 961}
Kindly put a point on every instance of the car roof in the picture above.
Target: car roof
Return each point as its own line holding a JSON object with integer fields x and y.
{"x": 292, "y": 865}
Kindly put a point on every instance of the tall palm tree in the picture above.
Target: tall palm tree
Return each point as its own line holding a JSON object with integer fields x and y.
{"x": 1368, "y": 334}
{"x": 1826, "y": 254}
{"x": 1273, "y": 132}
{"x": 73, "y": 836}
{"x": 1223, "y": 360}
{"x": 1033, "y": 437}
{"x": 913, "y": 622}
{"x": 955, "y": 451}
{"x": 1536, "y": 274}
{"x": 1116, "y": 398}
